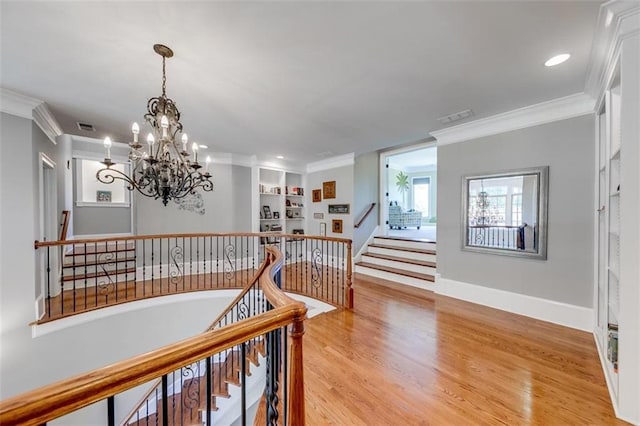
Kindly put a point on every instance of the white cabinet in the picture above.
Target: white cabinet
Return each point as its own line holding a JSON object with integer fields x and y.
{"x": 280, "y": 202}
{"x": 617, "y": 328}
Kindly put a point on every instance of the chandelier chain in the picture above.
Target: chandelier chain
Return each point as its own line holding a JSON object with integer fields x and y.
{"x": 164, "y": 78}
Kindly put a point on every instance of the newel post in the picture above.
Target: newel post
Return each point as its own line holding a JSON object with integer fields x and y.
{"x": 349, "y": 295}
{"x": 296, "y": 376}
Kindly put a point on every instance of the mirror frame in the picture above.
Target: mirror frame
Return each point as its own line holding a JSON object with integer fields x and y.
{"x": 543, "y": 202}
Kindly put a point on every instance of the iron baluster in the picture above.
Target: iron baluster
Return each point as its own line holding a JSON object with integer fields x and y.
{"x": 111, "y": 411}
{"x": 243, "y": 366}
{"x": 208, "y": 390}
{"x": 165, "y": 401}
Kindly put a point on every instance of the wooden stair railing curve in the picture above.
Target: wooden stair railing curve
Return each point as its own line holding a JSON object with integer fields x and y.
{"x": 101, "y": 272}
{"x": 58, "y": 399}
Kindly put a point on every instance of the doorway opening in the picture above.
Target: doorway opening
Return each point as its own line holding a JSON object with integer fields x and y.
{"x": 409, "y": 191}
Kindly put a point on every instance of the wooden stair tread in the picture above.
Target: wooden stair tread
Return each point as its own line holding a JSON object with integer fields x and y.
{"x": 409, "y": 249}
{"x": 100, "y": 251}
{"x": 417, "y": 240}
{"x": 411, "y": 274}
{"x": 98, "y": 262}
{"x": 98, "y": 274}
{"x": 401, "y": 259}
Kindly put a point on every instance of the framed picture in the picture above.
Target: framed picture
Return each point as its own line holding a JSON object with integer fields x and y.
{"x": 318, "y": 215}
{"x": 336, "y": 226}
{"x": 103, "y": 196}
{"x": 338, "y": 208}
{"x": 267, "y": 212}
{"x": 323, "y": 229}
{"x": 316, "y": 195}
{"x": 289, "y": 213}
{"x": 329, "y": 189}
{"x": 276, "y": 215}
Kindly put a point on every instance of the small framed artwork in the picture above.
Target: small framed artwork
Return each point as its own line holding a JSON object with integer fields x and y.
{"x": 289, "y": 213}
{"x": 276, "y": 215}
{"x": 316, "y": 195}
{"x": 323, "y": 229}
{"x": 103, "y": 196}
{"x": 329, "y": 189}
{"x": 267, "y": 212}
{"x": 318, "y": 215}
{"x": 336, "y": 226}
{"x": 338, "y": 208}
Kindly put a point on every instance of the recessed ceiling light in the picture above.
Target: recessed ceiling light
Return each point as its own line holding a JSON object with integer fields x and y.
{"x": 280, "y": 157}
{"x": 203, "y": 146}
{"x": 556, "y": 60}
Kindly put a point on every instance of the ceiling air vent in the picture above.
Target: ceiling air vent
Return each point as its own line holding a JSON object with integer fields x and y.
{"x": 456, "y": 116}
{"x": 86, "y": 127}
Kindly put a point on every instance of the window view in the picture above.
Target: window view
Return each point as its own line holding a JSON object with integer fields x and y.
{"x": 421, "y": 195}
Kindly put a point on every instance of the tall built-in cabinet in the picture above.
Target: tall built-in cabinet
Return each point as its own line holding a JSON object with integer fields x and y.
{"x": 279, "y": 206}
{"x": 617, "y": 292}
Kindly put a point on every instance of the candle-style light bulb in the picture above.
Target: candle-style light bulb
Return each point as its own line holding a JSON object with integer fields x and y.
{"x": 145, "y": 157}
{"x": 150, "y": 140}
{"x": 107, "y": 147}
{"x": 194, "y": 148}
{"x": 135, "y": 129}
{"x": 206, "y": 170}
{"x": 164, "y": 123}
{"x": 185, "y": 140}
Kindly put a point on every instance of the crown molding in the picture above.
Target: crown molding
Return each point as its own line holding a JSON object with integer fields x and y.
{"x": 47, "y": 122}
{"x": 15, "y": 103}
{"x": 617, "y": 20}
{"x": 331, "y": 163}
{"x": 532, "y": 115}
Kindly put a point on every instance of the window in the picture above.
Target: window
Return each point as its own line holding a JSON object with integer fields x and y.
{"x": 91, "y": 192}
{"x": 421, "y": 195}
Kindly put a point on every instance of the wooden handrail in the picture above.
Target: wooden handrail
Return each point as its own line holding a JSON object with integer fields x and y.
{"x": 64, "y": 226}
{"x": 61, "y": 398}
{"x": 39, "y": 244}
{"x": 369, "y": 210}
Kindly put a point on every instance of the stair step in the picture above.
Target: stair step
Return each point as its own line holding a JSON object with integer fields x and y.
{"x": 81, "y": 252}
{"x": 397, "y": 271}
{"x": 93, "y": 262}
{"x": 402, "y": 259}
{"x": 405, "y": 249}
{"x": 418, "y": 240}
{"x": 98, "y": 274}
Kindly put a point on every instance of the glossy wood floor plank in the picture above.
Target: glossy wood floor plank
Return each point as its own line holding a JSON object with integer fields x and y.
{"x": 400, "y": 359}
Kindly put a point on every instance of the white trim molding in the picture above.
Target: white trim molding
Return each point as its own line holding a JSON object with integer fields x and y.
{"x": 564, "y": 314}
{"x": 331, "y": 163}
{"x": 617, "y": 20}
{"x": 545, "y": 112}
{"x": 47, "y": 122}
{"x": 15, "y": 103}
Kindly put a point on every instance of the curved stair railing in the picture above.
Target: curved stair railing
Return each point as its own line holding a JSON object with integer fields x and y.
{"x": 260, "y": 328}
{"x": 98, "y": 273}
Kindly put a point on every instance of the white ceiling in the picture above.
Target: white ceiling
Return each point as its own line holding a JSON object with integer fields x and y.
{"x": 417, "y": 160}
{"x": 293, "y": 78}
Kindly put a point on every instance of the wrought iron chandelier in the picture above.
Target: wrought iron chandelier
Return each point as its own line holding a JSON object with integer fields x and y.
{"x": 165, "y": 171}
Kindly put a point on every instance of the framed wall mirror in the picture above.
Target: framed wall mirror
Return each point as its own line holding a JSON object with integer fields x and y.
{"x": 506, "y": 212}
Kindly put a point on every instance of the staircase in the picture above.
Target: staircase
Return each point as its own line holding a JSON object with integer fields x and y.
{"x": 188, "y": 398}
{"x": 404, "y": 261}
{"x": 100, "y": 263}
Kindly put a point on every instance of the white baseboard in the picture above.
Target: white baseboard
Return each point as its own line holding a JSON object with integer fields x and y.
{"x": 373, "y": 234}
{"x": 560, "y": 313}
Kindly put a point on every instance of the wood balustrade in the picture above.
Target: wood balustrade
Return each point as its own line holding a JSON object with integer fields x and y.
{"x": 61, "y": 398}
{"x": 101, "y": 272}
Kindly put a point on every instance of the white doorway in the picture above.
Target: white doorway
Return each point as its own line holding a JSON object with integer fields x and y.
{"x": 409, "y": 192}
{"x": 47, "y": 284}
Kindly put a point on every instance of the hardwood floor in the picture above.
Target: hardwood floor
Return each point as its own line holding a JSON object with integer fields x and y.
{"x": 398, "y": 359}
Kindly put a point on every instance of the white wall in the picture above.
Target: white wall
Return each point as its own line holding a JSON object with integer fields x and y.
{"x": 566, "y": 147}
{"x": 366, "y": 191}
